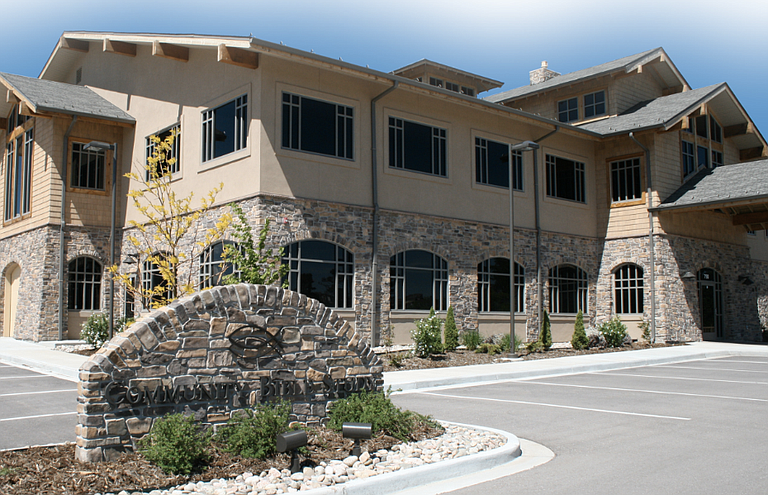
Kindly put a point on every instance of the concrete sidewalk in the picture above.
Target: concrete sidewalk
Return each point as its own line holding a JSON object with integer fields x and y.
{"x": 41, "y": 357}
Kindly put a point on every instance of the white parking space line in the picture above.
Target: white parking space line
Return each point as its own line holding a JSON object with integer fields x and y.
{"x": 22, "y": 376}
{"x": 676, "y": 378}
{"x": 37, "y": 416}
{"x": 706, "y": 369}
{"x": 740, "y": 361}
{"x": 41, "y": 392}
{"x": 558, "y": 406}
{"x": 659, "y": 392}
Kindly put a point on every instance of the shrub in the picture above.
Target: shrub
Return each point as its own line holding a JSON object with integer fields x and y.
{"x": 252, "y": 433}
{"x": 176, "y": 444}
{"x": 397, "y": 359}
{"x": 545, "y": 336}
{"x": 428, "y": 336}
{"x": 579, "y": 339}
{"x": 451, "y": 332}
{"x": 614, "y": 332}
{"x": 95, "y": 330}
{"x": 470, "y": 339}
{"x": 377, "y": 409}
{"x": 488, "y": 348}
{"x": 504, "y": 344}
{"x": 534, "y": 346}
{"x": 646, "y": 328}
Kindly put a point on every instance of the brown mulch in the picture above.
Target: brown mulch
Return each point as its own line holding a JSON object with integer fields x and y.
{"x": 54, "y": 470}
{"x": 398, "y": 361}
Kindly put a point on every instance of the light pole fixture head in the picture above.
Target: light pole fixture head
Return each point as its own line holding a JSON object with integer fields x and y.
{"x": 525, "y": 146}
{"x": 99, "y": 146}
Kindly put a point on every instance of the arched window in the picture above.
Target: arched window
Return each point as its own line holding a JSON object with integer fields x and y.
{"x": 151, "y": 278}
{"x": 418, "y": 280}
{"x": 568, "y": 289}
{"x": 493, "y": 285}
{"x": 84, "y": 284}
{"x": 213, "y": 268}
{"x": 628, "y": 289}
{"x": 321, "y": 270}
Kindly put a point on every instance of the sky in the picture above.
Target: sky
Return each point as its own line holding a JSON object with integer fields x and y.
{"x": 709, "y": 41}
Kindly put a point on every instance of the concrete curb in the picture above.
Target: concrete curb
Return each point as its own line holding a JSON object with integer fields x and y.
{"x": 41, "y": 358}
{"x": 418, "y": 476}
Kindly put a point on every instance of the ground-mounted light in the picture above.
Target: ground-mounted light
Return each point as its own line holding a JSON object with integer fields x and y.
{"x": 292, "y": 440}
{"x": 356, "y": 431}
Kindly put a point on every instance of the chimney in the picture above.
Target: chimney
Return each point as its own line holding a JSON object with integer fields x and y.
{"x": 542, "y": 74}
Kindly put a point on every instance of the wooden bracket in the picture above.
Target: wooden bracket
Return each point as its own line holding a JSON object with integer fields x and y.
{"x": 238, "y": 56}
{"x": 171, "y": 51}
{"x": 120, "y": 47}
{"x": 750, "y": 153}
{"x": 73, "y": 44}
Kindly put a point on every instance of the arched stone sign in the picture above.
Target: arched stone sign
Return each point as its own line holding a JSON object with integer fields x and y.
{"x": 216, "y": 352}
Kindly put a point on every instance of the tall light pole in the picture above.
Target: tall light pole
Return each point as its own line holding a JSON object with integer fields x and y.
{"x": 113, "y": 148}
{"x": 524, "y": 146}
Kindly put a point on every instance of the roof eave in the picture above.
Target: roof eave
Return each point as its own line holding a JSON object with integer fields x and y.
{"x": 720, "y": 203}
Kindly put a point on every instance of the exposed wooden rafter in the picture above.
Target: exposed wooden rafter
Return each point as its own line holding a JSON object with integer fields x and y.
{"x": 171, "y": 51}
{"x": 750, "y": 218}
{"x": 121, "y": 47}
{"x": 73, "y": 44}
{"x": 737, "y": 130}
{"x": 238, "y": 56}
{"x": 10, "y": 97}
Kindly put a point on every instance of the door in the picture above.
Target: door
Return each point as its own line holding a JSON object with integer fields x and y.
{"x": 12, "y": 274}
{"x": 711, "y": 304}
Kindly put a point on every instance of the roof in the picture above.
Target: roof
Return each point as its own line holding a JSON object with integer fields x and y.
{"x": 51, "y": 96}
{"x": 660, "y": 112}
{"x": 728, "y": 185}
{"x": 626, "y": 64}
{"x": 416, "y": 69}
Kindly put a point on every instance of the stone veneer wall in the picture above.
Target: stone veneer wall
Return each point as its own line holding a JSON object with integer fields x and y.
{"x": 243, "y": 344}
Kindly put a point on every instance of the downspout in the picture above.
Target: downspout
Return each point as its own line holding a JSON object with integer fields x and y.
{"x": 63, "y": 224}
{"x": 649, "y": 204}
{"x": 375, "y": 240}
{"x": 536, "y": 209}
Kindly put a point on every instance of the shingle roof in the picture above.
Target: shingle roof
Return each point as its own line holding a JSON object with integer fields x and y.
{"x": 571, "y": 77}
{"x": 52, "y": 96}
{"x": 659, "y": 112}
{"x": 726, "y": 184}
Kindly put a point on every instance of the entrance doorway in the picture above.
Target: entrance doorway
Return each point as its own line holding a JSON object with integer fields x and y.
{"x": 12, "y": 274}
{"x": 711, "y": 304}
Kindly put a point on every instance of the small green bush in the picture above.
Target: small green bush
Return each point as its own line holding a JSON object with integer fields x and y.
{"x": 488, "y": 348}
{"x": 504, "y": 344}
{"x": 545, "y": 336}
{"x": 253, "y": 433}
{"x": 176, "y": 444}
{"x": 397, "y": 359}
{"x": 534, "y": 346}
{"x": 614, "y": 332}
{"x": 451, "y": 332}
{"x": 428, "y": 336}
{"x": 646, "y": 328}
{"x": 579, "y": 340}
{"x": 471, "y": 339}
{"x": 95, "y": 330}
{"x": 377, "y": 409}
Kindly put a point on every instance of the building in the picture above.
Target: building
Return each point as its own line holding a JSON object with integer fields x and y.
{"x": 390, "y": 191}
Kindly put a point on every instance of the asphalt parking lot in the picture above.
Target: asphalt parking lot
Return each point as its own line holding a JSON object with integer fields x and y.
{"x": 689, "y": 428}
{"x": 35, "y": 408}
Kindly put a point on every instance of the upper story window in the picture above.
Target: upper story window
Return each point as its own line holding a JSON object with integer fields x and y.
{"x": 594, "y": 104}
{"x": 492, "y": 164}
{"x": 84, "y": 284}
{"x": 88, "y": 167}
{"x": 689, "y": 160}
{"x": 323, "y": 271}
{"x": 418, "y": 280}
{"x": 169, "y": 143}
{"x": 450, "y": 86}
{"x": 493, "y": 285}
{"x": 225, "y": 128}
{"x": 316, "y": 126}
{"x": 715, "y": 131}
{"x": 717, "y": 158}
{"x": 154, "y": 287}
{"x": 18, "y": 174}
{"x": 702, "y": 144}
{"x": 568, "y": 289}
{"x": 628, "y": 289}
{"x": 568, "y": 110}
{"x": 566, "y": 179}
{"x": 625, "y": 180}
{"x": 433, "y": 81}
{"x": 417, "y": 147}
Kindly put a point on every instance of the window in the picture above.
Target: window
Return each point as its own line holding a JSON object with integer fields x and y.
{"x": 172, "y": 163}
{"x": 625, "y": 180}
{"x": 594, "y": 104}
{"x": 451, "y": 86}
{"x": 715, "y": 131}
{"x": 689, "y": 163}
{"x": 492, "y": 164}
{"x": 702, "y": 156}
{"x": 213, "y": 267}
{"x": 701, "y": 126}
{"x": 493, "y": 285}
{"x": 565, "y": 179}
{"x": 322, "y": 271}
{"x": 628, "y": 289}
{"x": 84, "y": 284}
{"x": 436, "y": 82}
{"x": 568, "y": 110}
{"x": 88, "y": 167}
{"x": 225, "y": 128}
{"x": 567, "y": 289}
{"x": 717, "y": 159}
{"x": 316, "y": 126}
{"x": 152, "y": 280}
{"x": 468, "y": 91}
{"x": 18, "y": 175}
{"x": 417, "y": 147}
{"x": 418, "y": 280}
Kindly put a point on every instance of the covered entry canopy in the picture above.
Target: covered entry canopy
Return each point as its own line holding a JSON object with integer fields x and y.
{"x": 739, "y": 190}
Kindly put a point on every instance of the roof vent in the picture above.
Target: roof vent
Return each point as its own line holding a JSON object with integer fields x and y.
{"x": 542, "y": 74}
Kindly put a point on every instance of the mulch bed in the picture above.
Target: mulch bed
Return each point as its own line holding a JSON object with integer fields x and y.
{"x": 54, "y": 470}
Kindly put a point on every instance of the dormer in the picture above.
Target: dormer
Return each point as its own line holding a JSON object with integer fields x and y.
{"x": 449, "y": 78}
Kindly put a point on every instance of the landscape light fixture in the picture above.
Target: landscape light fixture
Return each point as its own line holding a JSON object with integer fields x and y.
{"x": 357, "y": 431}
{"x": 292, "y": 440}
{"x": 113, "y": 148}
{"x": 524, "y": 146}
{"x": 688, "y": 277}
